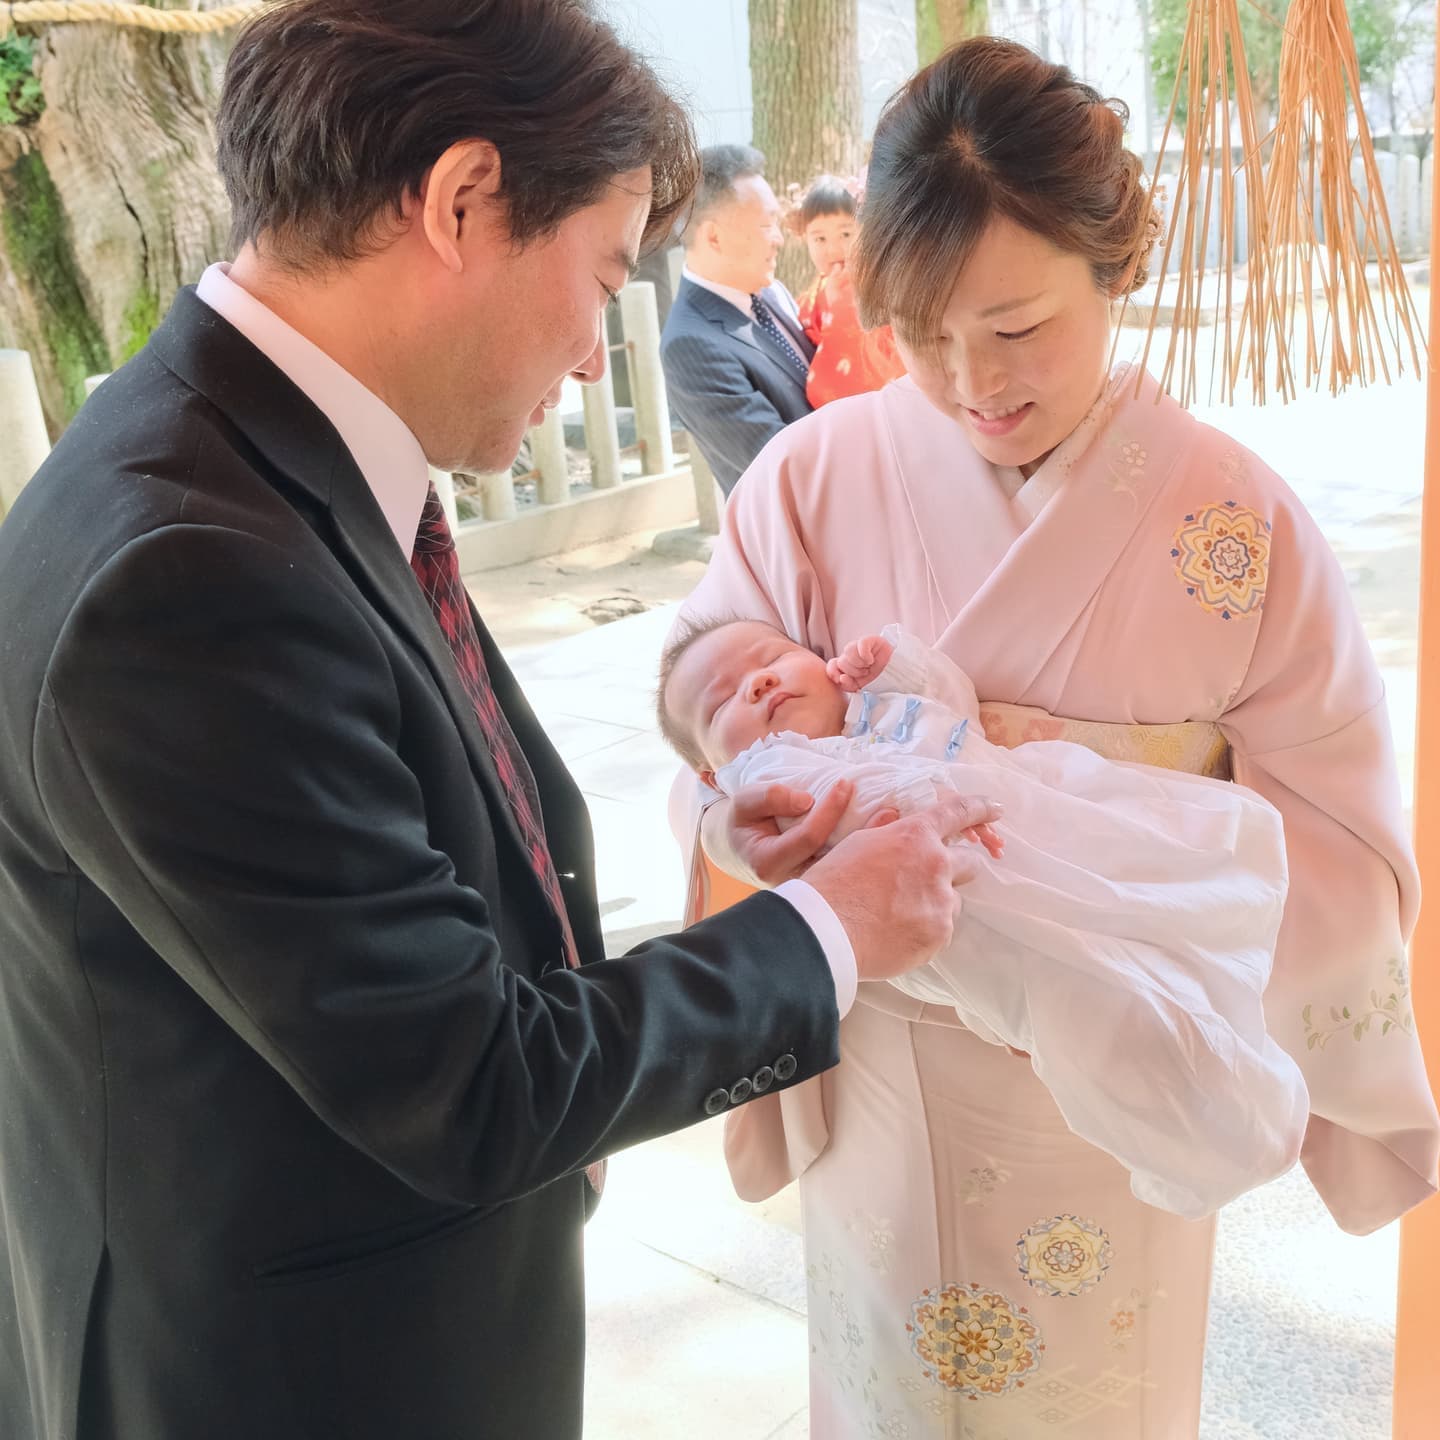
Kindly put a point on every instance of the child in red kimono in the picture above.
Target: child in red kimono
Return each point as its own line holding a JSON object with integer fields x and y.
{"x": 849, "y": 360}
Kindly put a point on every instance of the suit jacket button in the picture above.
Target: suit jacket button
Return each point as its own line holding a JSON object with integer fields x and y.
{"x": 740, "y": 1091}
{"x": 762, "y": 1079}
{"x": 716, "y": 1101}
{"x": 785, "y": 1067}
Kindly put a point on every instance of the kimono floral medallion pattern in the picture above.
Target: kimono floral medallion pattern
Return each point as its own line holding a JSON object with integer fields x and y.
{"x": 1222, "y": 553}
{"x": 1064, "y": 1256}
{"x": 973, "y": 1340}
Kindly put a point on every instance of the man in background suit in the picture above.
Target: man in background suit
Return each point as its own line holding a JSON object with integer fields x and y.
{"x": 307, "y": 1037}
{"x": 734, "y": 354}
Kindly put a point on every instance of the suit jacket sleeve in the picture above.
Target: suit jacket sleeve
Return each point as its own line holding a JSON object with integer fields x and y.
{"x": 216, "y": 750}
{"x": 719, "y": 404}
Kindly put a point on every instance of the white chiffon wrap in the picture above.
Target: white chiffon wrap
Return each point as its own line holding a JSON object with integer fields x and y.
{"x": 1124, "y": 940}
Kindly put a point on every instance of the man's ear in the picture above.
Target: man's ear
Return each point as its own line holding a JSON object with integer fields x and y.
{"x": 708, "y": 237}
{"x": 708, "y": 776}
{"x": 462, "y": 184}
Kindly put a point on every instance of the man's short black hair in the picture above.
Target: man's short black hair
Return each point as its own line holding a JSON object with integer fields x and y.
{"x": 333, "y": 111}
{"x": 720, "y": 167}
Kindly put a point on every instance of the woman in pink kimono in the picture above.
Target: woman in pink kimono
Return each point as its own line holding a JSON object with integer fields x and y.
{"x": 1107, "y": 570}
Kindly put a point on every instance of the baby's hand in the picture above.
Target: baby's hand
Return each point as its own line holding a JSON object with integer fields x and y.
{"x": 859, "y": 662}
{"x": 989, "y": 837}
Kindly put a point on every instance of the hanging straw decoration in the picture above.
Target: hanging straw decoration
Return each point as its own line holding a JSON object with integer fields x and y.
{"x": 1327, "y": 214}
{"x": 1215, "y": 206}
{"x": 1305, "y": 228}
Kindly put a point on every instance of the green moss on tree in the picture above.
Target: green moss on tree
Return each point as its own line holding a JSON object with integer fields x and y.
{"x": 141, "y": 317}
{"x": 939, "y": 24}
{"x": 21, "y": 99}
{"x": 37, "y": 239}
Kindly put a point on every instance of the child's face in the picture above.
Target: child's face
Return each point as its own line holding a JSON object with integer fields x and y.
{"x": 829, "y": 238}
{"x": 744, "y": 681}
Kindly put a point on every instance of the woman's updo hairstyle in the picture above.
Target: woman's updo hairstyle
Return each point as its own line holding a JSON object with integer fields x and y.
{"x": 992, "y": 129}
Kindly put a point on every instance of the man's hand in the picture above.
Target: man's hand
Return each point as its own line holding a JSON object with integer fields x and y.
{"x": 742, "y": 836}
{"x": 859, "y": 662}
{"x": 894, "y": 887}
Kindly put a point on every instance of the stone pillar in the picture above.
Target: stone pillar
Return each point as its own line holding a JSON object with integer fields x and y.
{"x": 1388, "y": 168}
{"x": 602, "y": 435}
{"x": 547, "y": 448}
{"x": 652, "y": 410}
{"x": 707, "y": 491}
{"x": 1360, "y": 181}
{"x": 1407, "y": 218}
{"x": 1427, "y": 210}
{"x": 22, "y": 424}
{"x": 1215, "y": 198}
{"x": 497, "y": 495}
{"x": 1240, "y": 221}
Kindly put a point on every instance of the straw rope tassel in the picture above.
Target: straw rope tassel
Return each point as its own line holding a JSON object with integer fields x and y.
{"x": 1212, "y": 54}
{"x": 1313, "y": 160}
{"x": 1292, "y": 273}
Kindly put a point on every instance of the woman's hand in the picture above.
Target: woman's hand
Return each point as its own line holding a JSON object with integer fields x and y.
{"x": 988, "y": 838}
{"x": 742, "y": 834}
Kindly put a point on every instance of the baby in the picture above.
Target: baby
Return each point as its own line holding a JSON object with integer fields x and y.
{"x": 1122, "y": 934}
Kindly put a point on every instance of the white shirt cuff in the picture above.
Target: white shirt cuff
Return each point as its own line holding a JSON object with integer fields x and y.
{"x": 815, "y": 911}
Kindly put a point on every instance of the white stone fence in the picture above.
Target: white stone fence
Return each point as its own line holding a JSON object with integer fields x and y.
{"x": 543, "y": 512}
{"x": 1406, "y": 183}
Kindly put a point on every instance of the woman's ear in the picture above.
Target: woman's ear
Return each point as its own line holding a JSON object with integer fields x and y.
{"x": 1124, "y": 282}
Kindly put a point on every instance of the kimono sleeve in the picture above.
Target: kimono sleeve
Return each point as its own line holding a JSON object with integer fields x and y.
{"x": 1310, "y": 733}
{"x": 761, "y": 571}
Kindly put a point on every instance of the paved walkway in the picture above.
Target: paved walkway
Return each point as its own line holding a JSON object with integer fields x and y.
{"x": 696, "y": 1313}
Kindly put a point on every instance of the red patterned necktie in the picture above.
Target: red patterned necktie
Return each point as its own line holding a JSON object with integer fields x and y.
{"x": 438, "y": 571}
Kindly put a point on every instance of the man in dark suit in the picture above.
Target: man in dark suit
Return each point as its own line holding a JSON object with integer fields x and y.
{"x": 308, "y": 1044}
{"x": 734, "y": 354}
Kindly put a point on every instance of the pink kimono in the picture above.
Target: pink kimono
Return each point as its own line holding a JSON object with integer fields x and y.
{"x": 1153, "y": 591}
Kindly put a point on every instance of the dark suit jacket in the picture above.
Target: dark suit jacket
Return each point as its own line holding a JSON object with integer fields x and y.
{"x": 726, "y": 380}
{"x": 295, "y": 1088}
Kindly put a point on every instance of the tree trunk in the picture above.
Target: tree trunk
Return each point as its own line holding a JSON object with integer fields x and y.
{"x": 939, "y": 24}
{"x": 805, "y": 82}
{"x": 109, "y": 197}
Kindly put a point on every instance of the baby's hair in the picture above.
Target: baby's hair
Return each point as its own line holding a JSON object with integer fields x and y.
{"x": 827, "y": 195}
{"x": 691, "y": 633}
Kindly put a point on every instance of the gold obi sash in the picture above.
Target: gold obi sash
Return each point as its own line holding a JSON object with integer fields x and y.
{"x": 1195, "y": 746}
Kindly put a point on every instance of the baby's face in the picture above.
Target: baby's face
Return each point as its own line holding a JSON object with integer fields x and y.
{"x": 744, "y": 681}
